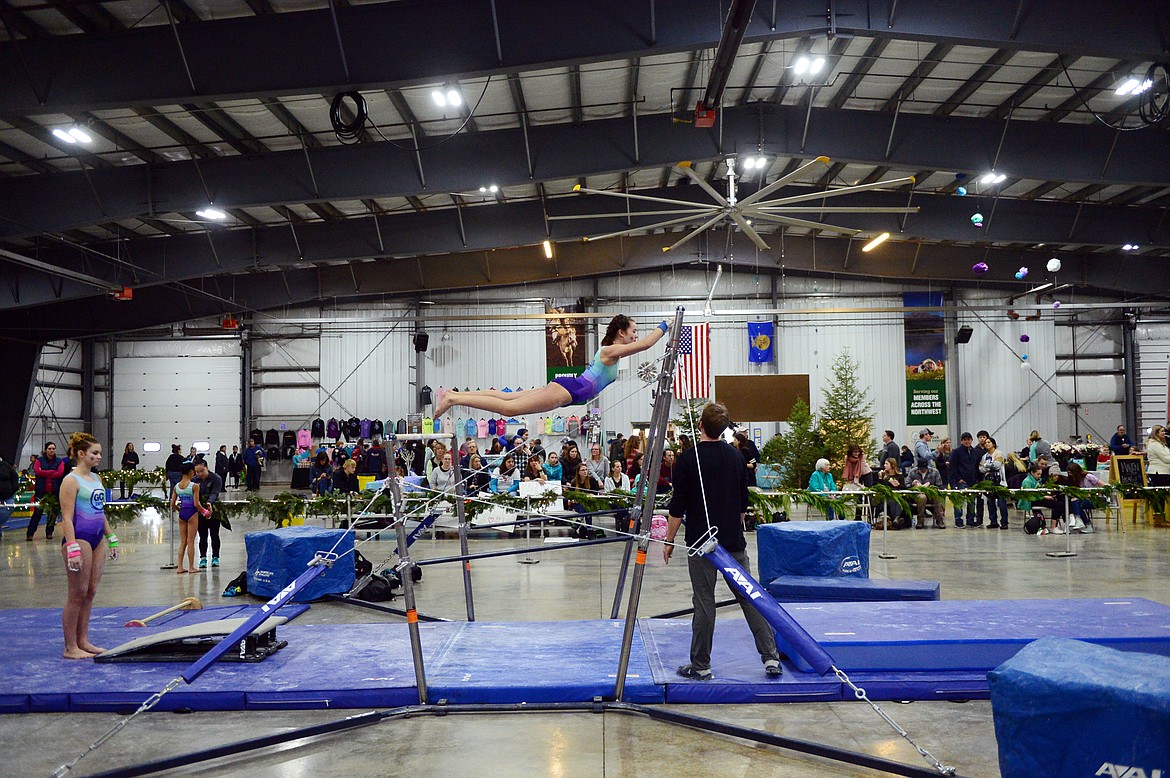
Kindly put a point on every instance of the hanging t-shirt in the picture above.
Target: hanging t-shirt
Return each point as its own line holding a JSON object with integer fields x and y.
{"x": 558, "y": 424}
{"x": 449, "y": 425}
{"x": 353, "y": 427}
{"x": 547, "y": 423}
{"x": 364, "y": 427}
{"x": 425, "y": 394}
{"x": 573, "y": 425}
{"x": 377, "y": 428}
{"x": 491, "y": 427}
{"x": 333, "y": 429}
{"x": 318, "y": 428}
{"x": 481, "y": 429}
{"x": 501, "y": 426}
{"x": 304, "y": 439}
{"x": 439, "y": 394}
{"x": 400, "y": 427}
{"x": 428, "y": 427}
{"x": 470, "y": 428}
{"x": 506, "y": 389}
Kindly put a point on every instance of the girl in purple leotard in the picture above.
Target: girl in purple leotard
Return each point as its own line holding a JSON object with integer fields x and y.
{"x": 88, "y": 539}
{"x": 185, "y": 499}
{"x": 621, "y": 339}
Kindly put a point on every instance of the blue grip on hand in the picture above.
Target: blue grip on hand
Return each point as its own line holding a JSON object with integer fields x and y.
{"x": 664, "y": 326}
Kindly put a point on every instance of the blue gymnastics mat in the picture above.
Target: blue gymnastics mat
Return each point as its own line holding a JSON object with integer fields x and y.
{"x": 328, "y": 666}
{"x": 972, "y": 634}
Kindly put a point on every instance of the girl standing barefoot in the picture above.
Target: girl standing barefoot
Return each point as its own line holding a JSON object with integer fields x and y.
{"x": 86, "y": 529}
{"x": 185, "y": 499}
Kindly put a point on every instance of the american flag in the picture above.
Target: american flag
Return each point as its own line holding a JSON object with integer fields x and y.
{"x": 692, "y": 377}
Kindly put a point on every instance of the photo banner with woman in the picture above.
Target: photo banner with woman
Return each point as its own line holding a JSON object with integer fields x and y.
{"x": 565, "y": 343}
{"x": 926, "y": 349}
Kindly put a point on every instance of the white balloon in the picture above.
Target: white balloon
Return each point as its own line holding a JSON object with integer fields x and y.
{"x": 1054, "y": 265}
{"x": 1025, "y": 365}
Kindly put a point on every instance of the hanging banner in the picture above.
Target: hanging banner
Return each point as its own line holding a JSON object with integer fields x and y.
{"x": 926, "y": 349}
{"x": 564, "y": 345}
{"x": 760, "y": 341}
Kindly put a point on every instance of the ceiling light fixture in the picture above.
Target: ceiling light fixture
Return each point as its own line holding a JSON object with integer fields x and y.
{"x": 80, "y": 135}
{"x": 453, "y": 98}
{"x": 800, "y": 66}
{"x": 817, "y": 65}
{"x": 879, "y": 240}
{"x": 61, "y": 134}
{"x": 1133, "y": 86}
{"x": 993, "y": 178}
{"x": 439, "y": 98}
{"x": 1130, "y": 247}
{"x": 211, "y": 213}
{"x": 548, "y": 249}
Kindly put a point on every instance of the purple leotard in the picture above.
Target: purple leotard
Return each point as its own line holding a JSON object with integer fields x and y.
{"x": 89, "y": 515}
{"x": 583, "y": 388}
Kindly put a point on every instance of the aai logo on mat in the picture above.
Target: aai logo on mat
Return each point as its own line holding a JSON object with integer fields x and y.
{"x": 97, "y": 499}
{"x": 850, "y": 565}
{"x": 1125, "y": 771}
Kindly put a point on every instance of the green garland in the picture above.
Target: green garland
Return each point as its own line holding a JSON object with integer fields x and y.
{"x": 112, "y": 478}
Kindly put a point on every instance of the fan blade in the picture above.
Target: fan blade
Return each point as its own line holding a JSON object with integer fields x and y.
{"x": 749, "y": 230}
{"x": 765, "y": 208}
{"x": 631, "y": 196}
{"x": 695, "y": 232}
{"x": 810, "y": 225}
{"x": 781, "y": 181}
{"x": 691, "y": 174}
{"x": 655, "y": 226}
{"x": 800, "y": 198}
{"x": 617, "y": 215}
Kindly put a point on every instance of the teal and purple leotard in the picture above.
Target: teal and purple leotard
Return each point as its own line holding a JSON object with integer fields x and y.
{"x": 583, "y": 388}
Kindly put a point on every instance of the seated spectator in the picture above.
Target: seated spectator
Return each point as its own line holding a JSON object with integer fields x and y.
{"x": 926, "y": 475}
{"x": 1015, "y": 470}
{"x": 907, "y": 460}
{"x": 634, "y": 468}
{"x": 1036, "y": 479}
{"x": 597, "y": 462}
{"x": 321, "y": 475}
{"x": 442, "y": 478}
{"x": 570, "y": 459}
{"x": 583, "y": 481}
{"x": 478, "y": 479}
{"x": 534, "y": 471}
{"x": 821, "y": 480}
{"x": 506, "y": 478}
{"x": 345, "y": 480}
{"x": 891, "y": 477}
{"x": 552, "y": 468}
{"x": 472, "y": 448}
{"x": 1078, "y": 477}
{"x": 857, "y": 473}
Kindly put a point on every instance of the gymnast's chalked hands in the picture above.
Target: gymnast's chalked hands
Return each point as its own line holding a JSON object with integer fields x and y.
{"x": 73, "y": 557}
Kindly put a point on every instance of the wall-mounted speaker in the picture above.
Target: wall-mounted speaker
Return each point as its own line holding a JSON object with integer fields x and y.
{"x": 964, "y": 334}
{"x": 421, "y": 340}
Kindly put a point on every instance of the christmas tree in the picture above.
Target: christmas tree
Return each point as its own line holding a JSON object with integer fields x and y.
{"x": 846, "y": 413}
{"x": 796, "y": 452}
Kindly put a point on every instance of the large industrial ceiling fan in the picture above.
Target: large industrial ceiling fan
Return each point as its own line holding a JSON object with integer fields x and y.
{"x": 780, "y": 210}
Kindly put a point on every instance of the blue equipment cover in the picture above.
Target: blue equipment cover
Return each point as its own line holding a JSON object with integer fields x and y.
{"x": 824, "y": 548}
{"x": 277, "y": 556}
{"x": 807, "y": 588}
{"x": 1114, "y": 707}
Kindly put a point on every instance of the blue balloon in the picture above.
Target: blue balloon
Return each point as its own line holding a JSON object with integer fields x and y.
{"x": 961, "y": 191}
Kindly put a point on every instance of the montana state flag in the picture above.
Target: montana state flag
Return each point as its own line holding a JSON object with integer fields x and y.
{"x": 760, "y": 341}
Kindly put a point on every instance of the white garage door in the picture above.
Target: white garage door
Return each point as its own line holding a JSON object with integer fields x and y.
{"x": 192, "y": 401}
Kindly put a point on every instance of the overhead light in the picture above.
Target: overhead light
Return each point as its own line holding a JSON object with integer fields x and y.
{"x": 439, "y": 98}
{"x": 1130, "y": 247}
{"x": 81, "y": 135}
{"x": 548, "y": 249}
{"x": 879, "y": 240}
{"x": 211, "y": 213}
{"x": 817, "y": 65}
{"x": 1129, "y": 86}
{"x": 993, "y": 178}
{"x": 800, "y": 66}
{"x": 1040, "y": 288}
{"x": 453, "y": 98}
{"x": 493, "y": 189}
{"x": 749, "y": 163}
{"x": 61, "y": 134}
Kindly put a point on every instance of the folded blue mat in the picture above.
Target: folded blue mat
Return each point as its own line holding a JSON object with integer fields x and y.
{"x": 828, "y": 548}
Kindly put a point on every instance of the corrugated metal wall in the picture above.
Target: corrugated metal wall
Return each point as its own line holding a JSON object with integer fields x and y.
{"x": 1153, "y": 377}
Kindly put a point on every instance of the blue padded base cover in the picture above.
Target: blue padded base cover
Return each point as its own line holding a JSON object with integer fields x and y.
{"x": 1114, "y": 707}
{"x": 831, "y": 548}
{"x": 807, "y": 588}
{"x": 972, "y": 634}
{"x": 277, "y": 556}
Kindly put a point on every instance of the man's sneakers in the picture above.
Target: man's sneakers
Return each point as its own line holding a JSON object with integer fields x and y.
{"x": 215, "y": 561}
{"x": 202, "y": 562}
{"x": 694, "y": 673}
{"x": 773, "y": 669}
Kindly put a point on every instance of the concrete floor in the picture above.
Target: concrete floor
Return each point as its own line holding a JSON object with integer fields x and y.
{"x": 568, "y": 584}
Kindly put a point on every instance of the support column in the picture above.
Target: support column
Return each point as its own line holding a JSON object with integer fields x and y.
{"x": 111, "y": 347}
{"x": 1129, "y": 350}
{"x": 245, "y": 385}
{"x": 17, "y": 381}
{"x": 87, "y": 389}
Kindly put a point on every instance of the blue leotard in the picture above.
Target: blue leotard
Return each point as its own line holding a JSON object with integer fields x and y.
{"x": 585, "y": 387}
{"x": 89, "y": 515}
{"x": 186, "y": 501}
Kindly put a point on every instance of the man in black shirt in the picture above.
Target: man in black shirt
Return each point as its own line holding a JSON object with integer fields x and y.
{"x": 719, "y": 499}
{"x": 210, "y": 487}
